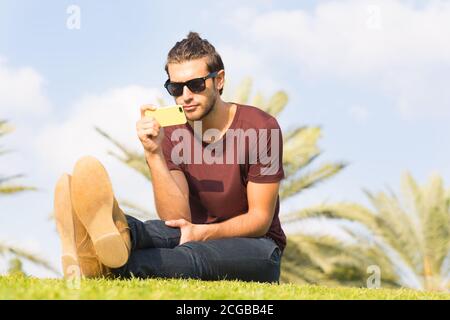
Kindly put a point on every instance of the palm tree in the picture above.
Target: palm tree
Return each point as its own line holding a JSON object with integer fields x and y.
{"x": 325, "y": 260}
{"x": 7, "y": 188}
{"x": 407, "y": 237}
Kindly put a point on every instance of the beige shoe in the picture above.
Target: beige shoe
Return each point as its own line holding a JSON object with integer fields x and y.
{"x": 78, "y": 254}
{"x": 122, "y": 225}
{"x": 62, "y": 206}
{"x": 90, "y": 265}
{"x": 95, "y": 205}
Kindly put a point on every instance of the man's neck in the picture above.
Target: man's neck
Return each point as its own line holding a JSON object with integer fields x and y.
{"x": 220, "y": 117}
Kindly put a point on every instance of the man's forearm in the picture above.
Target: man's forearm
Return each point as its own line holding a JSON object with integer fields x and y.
{"x": 170, "y": 201}
{"x": 245, "y": 225}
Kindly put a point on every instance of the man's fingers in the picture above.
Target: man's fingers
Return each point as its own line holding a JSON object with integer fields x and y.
{"x": 150, "y": 132}
{"x": 147, "y": 122}
{"x": 150, "y": 125}
{"x": 146, "y": 107}
{"x": 172, "y": 223}
{"x": 175, "y": 223}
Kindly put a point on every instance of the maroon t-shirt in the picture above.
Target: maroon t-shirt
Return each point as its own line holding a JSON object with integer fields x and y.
{"x": 218, "y": 172}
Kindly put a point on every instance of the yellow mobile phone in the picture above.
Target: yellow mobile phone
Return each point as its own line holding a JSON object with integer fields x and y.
{"x": 168, "y": 116}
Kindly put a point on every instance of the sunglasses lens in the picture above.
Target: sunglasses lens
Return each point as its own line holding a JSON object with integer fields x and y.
{"x": 175, "y": 89}
{"x": 196, "y": 85}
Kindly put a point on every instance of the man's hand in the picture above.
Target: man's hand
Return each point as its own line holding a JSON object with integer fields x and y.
{"x": 149, "y": 131}
{"x": 189, "y": 231}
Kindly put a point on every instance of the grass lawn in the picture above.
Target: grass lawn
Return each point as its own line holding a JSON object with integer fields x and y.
{"x": 32, "y": 288}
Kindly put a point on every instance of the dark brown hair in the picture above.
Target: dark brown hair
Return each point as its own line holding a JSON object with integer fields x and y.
{"x": 193, "y": 47}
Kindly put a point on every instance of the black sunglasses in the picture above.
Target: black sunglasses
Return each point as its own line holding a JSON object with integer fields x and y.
{"x": 196, "y": 85}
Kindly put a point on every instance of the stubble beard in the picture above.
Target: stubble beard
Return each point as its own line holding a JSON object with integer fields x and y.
{"x": 207, "y": 111}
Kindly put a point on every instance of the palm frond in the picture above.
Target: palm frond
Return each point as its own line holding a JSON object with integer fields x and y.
{"x": 24, "y": 254}
{"x": 277, "y": 103}
{"x": 5, "y": 127}
{"x": 10, "y": 189}
{"x": 9, "y": 178}
{"x": 414, "y": 234}
{"x": 294, "y": 185}
{"x": 395, "y": 226}
{"x": 436, "y": 223}
{"x": 337, "y": 261}
{"x": 301, "y": 144}
{"x": 242, "y": 93}
{"x": 259, "y": 101}
{"x": 137, "y": 211}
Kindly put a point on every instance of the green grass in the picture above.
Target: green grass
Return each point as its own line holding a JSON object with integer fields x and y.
{"x": 31, "y": 288}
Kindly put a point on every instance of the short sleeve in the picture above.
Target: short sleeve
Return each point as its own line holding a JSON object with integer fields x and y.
{"x": 268, "y": 152}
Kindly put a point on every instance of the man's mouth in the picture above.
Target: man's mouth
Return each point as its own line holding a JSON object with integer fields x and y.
{"x": 189, "y": 107}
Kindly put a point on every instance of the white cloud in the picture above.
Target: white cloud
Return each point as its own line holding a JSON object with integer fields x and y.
{"x": 399, "y": 49}
{"x": 115, "y": 111}
{"x": 241, "y": 63}
{"x": 21, "y": 91}
{"x": 359, "y": 114}
{"x": 243, "y": 60}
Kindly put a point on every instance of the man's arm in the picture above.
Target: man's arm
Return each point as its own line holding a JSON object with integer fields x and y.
{"x": 262, "y": 194}
{"x": 170, "y": 188}
{"x": 262, "y": 199}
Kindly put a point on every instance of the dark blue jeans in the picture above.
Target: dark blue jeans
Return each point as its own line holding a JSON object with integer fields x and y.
{"x": 156, "y": 253}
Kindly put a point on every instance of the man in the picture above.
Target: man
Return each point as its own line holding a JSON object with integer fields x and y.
{"x": 219, "y": 219}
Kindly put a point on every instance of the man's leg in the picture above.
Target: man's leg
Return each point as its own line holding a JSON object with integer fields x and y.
{"x": 246, "y": 259}
{"x": 152, "y": 234}
{"x": 157, "y": 254}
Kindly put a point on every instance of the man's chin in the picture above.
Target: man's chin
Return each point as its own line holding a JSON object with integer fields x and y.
{"x": 195, "y": 116}
{"x": 199, "y": 114}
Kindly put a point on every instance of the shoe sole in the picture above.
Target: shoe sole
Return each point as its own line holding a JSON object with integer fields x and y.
{"x": 63, "y": 212}
{"x": 93, "y": 201}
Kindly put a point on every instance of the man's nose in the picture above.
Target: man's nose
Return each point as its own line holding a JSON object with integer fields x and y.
{"x": 187, "y": 94}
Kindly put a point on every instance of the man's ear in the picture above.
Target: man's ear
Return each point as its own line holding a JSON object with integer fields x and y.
{"x": 220, "y": 80}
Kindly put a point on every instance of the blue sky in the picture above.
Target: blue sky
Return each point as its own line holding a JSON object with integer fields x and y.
{"x": 373, "y": 76}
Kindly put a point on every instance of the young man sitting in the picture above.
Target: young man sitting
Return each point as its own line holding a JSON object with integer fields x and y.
{"x": 218, "y": 208}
